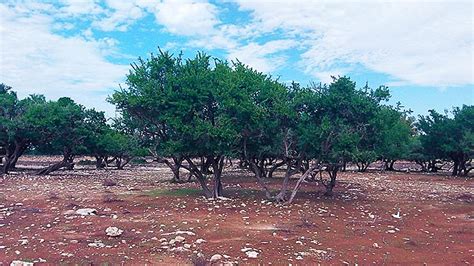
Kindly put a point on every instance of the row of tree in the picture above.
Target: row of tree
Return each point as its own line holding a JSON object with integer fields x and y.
{"x": 59, "y": 127}
{"x": 194, "y": 114}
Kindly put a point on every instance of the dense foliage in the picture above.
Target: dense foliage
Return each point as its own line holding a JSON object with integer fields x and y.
{"x": 197, "y": 114}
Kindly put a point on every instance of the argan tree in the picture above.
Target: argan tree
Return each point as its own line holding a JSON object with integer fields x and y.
{"x": 177, "y": 104}
{"x": 445, "y": 137}
{"x": 394, "y": 137}
{"x": 64, "y": 131}
{"x": 334, "y": 124}
{"x": 17, "y": 131}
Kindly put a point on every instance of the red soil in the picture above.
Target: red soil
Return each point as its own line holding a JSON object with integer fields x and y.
{"x": 354, "y": 226}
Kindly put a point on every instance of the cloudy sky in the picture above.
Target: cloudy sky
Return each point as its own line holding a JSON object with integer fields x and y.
{"x": 423, "y": 50}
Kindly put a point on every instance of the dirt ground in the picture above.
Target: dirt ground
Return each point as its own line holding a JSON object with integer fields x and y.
{"x": 359, "y": 225}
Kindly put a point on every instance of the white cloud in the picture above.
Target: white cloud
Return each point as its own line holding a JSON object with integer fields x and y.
{"x": 35, "y": 60}
{"x": 80, "y": 8}
{"x": 121, "y": 14}
{"x": 184, "y": 17}
{"x": 266, "y": 57}
{"x": 181, "y": 17}
{"x": 418, "y": 42}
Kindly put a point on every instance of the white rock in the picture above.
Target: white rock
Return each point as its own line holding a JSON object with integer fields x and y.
{"x": 188, "y": 246}
{"x": 215, "y": 257}
{"x": 179, "y": 239}
{"x": 21, "y": 263}
{"x": 113, "y": 231}
{"x": 223, "y": 198}
{"x": 86, "y": 211}
{"x": 375, "y": 245}
{"x": 396, "y": 216}
{"x": 69, "y": 212}
{"x": 200, "y": 241}
{"x": 97, "y": 244}
{"x": 252, "y": 254}
{"x": 179, "y": 249}
{"x": 179, "y": 232}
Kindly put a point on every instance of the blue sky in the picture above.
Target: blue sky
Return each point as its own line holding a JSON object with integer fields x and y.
{"x": 422, "y": 50}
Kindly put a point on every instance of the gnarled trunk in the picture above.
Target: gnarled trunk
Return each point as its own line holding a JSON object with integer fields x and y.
{"x": 332, "y": 171}
{"x": 281, "y": 196}
{"x": 308, "y": 172}
{"x": 12, "y": 154}
{"x": 362, "y": 166}
{"x": 274, "y": 167}
{"x": 122, "y": 161}
{"x": 388, "y": 165}
{"x": 67, "y": 162}
{"x": 175, "y": 165}
{"x": 200, "y": 177}
{"x": 259, "y": 176}
{"x": 290, "y": 171}
{"x": 217, "y": 166}
{"x": 100, "y": 162}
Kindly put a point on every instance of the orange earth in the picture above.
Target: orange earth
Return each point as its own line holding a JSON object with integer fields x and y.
{"x": 359, "y": 225}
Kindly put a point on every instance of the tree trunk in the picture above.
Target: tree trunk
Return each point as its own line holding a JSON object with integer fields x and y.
{"x": 432, "y": 166}
{"x": 456, "y": 168}
{"x": 200, "y": 177}
{"x": 332, "y": 171}
{"x": 13, "y": 153}
{"x": 174, "y": 166}
{"x": 217, "y": 166}
{"x": 274, "y": 167}
{"x": 67, "y": 161}
{"x": 108, "y": 162}
{"x": 301, "y": 179}
{"x": 281, "y": 196}
{"x": 423, "y": 165}
{"x": 258, "y": 175}
{"x": 392, "y": 162}
{"x": 15, "y": 159}
{"x": 175, "y": 171}
{"x": 121, "y": 162}
{"x": 99, "y": 162}
{"x": 6, "y": 166}
{"x": 54, "y": 167}
{"x": 70, "y": 165}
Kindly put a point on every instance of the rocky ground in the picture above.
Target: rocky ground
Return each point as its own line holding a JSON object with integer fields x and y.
{"x": 136, "y": 216}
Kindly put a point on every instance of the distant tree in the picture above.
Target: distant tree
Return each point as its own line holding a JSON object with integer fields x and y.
{"x": 64, "y": 130}
{"x": 417, "y": 154}
{"x": 443, "y": 137}
{"x": 121, "y": 147}
{"x": 17, "y": 132}
{"x": 95, "y": 137}
{"x": 394, "y": 137}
